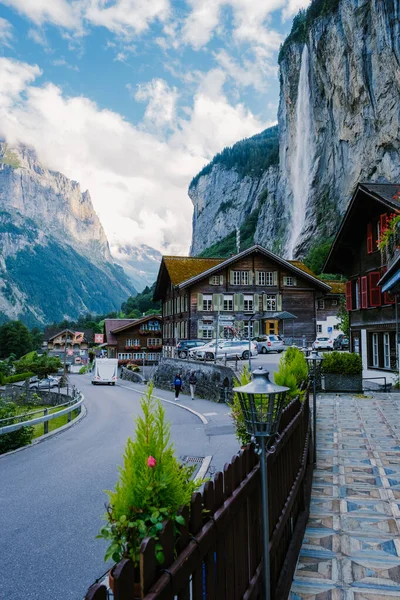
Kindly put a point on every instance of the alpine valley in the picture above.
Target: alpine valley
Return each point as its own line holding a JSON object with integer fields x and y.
{"x": 55, "y": 261}
{"x": 338, "y": 124}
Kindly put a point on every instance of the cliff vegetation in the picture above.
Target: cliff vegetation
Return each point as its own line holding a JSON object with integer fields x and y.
{"x": 251, "y": 156}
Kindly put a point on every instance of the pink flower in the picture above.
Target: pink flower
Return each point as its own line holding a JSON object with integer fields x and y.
{"x": 151, "y": 462}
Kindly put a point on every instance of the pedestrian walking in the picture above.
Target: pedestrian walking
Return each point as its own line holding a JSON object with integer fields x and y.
{"x": 177, "y": 385}
{"x": 192, "y": 383}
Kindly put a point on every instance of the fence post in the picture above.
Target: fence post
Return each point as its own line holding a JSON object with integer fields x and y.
{"x": 46, "y": 423}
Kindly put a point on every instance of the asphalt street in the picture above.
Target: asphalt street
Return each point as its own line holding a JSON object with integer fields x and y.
{"x": 52, "y": 494}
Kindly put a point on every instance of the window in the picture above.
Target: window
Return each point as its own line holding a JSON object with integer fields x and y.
{"x": 375, "y": 351}
{"x": 207, "y": 302}
{"x": 356, "y": 289}
{"x": 240, "y": 277}
{"x": 216, "y": 280}
{"x": 319, "y": 328}
{"x": 336, "y": 327}
{"x": 206, "y": 331}
{"x": 386, "y": 351}
{"x": 320, "y": 304}
{"x": 129, "y": 343}
{"x": 124, "y": 355}
{"x": 289, "y": 281}
{"x": 374, "y": 289}
{"x": 138, "y": 355}
{"x": 270, "y": 302}
{"x": 152, "y": 356}
{"x": 265, "y": 278}
{"x": 154, "y": 341}
{"x": 334, "y": 302}
{"x": 248, "y": 303}
{"x": 228, "y": 302}
{"x": 246, "y": 330}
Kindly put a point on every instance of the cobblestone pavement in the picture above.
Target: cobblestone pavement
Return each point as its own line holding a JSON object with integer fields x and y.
{"x": 351, "y": 547}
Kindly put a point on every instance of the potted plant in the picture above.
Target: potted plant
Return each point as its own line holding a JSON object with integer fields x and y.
{"x": 151, "y": 488}
{"x": 342, "y": 372}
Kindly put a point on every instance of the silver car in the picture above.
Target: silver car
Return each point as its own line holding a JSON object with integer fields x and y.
{"x": 271, "y": 343}
{"x": 227, "y": 348}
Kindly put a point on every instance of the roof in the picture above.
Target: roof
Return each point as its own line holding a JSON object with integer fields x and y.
{"x": 302, "y": 267}
{"x": 386, "y": 194}
{"x": 338, "y": 287}
{"x": 181, "y": 268}
{"x": 110, "y": 325}
{"x": 256, "y": 248}
{"x": 137, "y": 322}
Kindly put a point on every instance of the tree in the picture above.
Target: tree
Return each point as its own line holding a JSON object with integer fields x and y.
{"x": 343, "y": 317}
{"x": 317, "y": 256}
{"x": 15, "y": 338}
{"x": 42, "y": 366}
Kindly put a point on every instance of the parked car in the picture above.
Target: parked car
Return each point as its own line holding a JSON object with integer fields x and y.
{"x": 271, "y": 343}
{"x": 184, "y": 346}
{"x": 341, "y": 342}
{"x": 43, "y": 384}
{"x": 323, "y": 343}
{"x": 227, "y": 348}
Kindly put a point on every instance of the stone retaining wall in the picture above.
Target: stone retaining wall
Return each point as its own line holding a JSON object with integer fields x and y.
{"x": 214, "y": 382}
{"x": 129, "y": 375}
{"x": 20, "y": 395}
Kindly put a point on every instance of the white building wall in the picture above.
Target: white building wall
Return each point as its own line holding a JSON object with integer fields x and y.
{"x": 368, "y": 372}
{"x": 329, "y": 322}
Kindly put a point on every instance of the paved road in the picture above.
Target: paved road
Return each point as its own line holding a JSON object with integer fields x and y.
{"x": 52, "y": 494}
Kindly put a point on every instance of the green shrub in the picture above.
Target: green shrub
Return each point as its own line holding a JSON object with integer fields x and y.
{"x": 83, "y": 370}
{"x": 236, "y": 412}
{"x": 152, "y": 486}
{"x": 14, "y": 439}
{"x": 19, "y": 377}
{"x": 292, "y": 371}
{"x": 342, "y": 363}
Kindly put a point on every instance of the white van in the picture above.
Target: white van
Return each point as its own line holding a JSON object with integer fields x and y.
{"x": 105, "y": 371}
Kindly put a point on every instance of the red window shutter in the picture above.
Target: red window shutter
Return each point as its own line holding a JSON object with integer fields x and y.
{"x": 370, "y": 243}
{"x": 364, "y": 292}
{"x": 349, "y": 299}
{"x": 374, "y": 289}
{"x": 383, "y": 222}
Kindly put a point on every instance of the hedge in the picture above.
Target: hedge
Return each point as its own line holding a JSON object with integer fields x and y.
{"x": 342, "y": 363}
{"x": 20, "y": 377}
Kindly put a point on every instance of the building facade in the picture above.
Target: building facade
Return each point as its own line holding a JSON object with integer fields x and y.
{"x": 252, "y": 292}
{"x": 355, "y": 254}
{"x": 134, "y": 341}
{"x": 72, "y": 347}
{"x": 328, "y": 322}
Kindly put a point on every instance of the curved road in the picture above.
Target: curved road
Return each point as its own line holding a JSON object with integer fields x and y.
{"x": 52, "y": 494}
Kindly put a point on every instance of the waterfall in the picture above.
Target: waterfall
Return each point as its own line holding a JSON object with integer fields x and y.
{"x": 302, "y": 162}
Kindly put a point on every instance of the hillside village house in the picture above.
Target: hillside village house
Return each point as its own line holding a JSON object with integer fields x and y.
{"x": 254, "y": 288}
{"x": 355, "y": 254}
{"x": 328, "y": 323}
{"x": 134, "y": 340}
{"x": 70, "y": 346}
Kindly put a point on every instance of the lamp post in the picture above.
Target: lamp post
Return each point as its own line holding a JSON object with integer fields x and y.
{"x": 314, "y": 361}
{"x": 262, "y": 403}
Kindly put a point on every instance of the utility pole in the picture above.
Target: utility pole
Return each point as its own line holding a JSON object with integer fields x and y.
{"x": 217, "y": 332}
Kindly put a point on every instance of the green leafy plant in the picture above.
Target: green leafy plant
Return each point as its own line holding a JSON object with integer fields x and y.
{"x": 342, "y": 363}
{"x": 236, "y": 412}
{"x": 19, "y": 377}
{"x": 152, "y": 486}
{"x": 389, "y": 231}
{"x": 292, "y": 371}
{"x": 14, "y": 439}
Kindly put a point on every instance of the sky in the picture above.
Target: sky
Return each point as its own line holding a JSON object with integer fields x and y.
{"x": 133, "y": 97}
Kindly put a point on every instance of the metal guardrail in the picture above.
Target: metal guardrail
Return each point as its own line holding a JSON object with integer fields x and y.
{"x": 73, "y": 405}
{"x": 386, "y": 386}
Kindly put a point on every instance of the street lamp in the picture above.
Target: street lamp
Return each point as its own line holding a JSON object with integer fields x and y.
{"x": 314, "y": 361}
{"x": 262, "y": 403}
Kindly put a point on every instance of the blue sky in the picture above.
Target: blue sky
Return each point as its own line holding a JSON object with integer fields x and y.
{"x": 132, "y": 97}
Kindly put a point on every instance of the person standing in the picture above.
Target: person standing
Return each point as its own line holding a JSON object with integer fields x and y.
{"x": 177, "y": 385}
{"x": 192, "y": 383}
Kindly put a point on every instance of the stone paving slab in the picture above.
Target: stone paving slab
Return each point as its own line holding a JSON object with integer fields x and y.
{"x": 351, "y": 546}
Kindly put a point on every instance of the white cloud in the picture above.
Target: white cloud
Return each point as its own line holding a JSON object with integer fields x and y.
{"x": 201, "y": 22}
{"x": 138, "y": 179}
{"x": 5, "y": 32}
{"x": 254, "y": 71}
{"x": 126, "y": 16}
{"x": 38, "y": 36}
{"x": 61, "y": 62}
{"x": 58, "y": 12}
{"x": 293, "y": 7}
{"x": 161, "y": 102}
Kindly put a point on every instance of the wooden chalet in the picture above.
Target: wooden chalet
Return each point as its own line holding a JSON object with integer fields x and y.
{"x": 134, "y": 340}
{"x": 70, "y": 346}
{"x": 355, "y": 254}
{"x": 254, "y": 288}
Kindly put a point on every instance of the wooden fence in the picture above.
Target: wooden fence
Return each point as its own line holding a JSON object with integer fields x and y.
{"x": 218, "y": 554}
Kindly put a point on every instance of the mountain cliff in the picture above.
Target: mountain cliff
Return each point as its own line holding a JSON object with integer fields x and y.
{"x": 140, "y": 263}
{"x": 55, "y": 261}
{"x": 339, "y": 123}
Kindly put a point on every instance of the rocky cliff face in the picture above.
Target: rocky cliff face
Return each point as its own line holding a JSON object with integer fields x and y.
{"x": 140, "y": 263}
{"x": 55, "y": 261}
{"x": 351, "y": 73}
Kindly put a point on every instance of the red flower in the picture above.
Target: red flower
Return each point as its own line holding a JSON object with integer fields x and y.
{"x": 151, "y": 462}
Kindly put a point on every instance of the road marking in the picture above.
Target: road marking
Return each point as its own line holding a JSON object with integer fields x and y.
{"x": 194, "y": 412}
{"x": 204, "y": 468}
{"x": 209, "y": 414}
